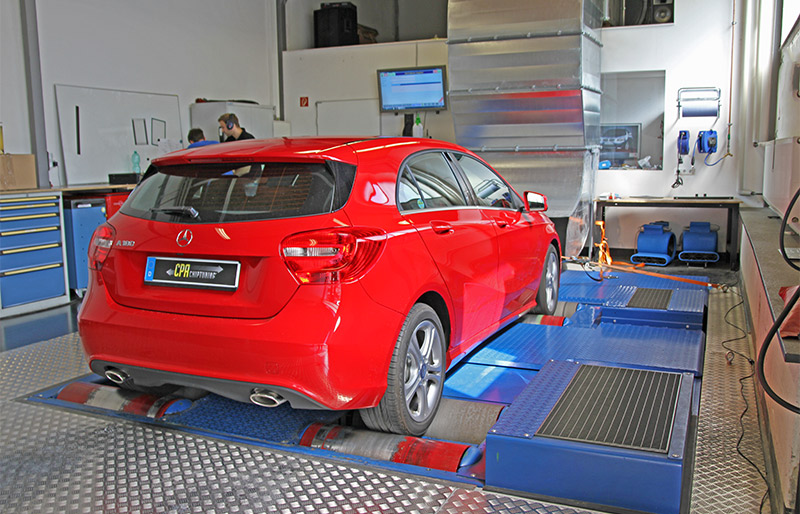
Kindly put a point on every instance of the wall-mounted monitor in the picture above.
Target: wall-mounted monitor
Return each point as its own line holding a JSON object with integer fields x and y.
{"x": 413, "y": 89}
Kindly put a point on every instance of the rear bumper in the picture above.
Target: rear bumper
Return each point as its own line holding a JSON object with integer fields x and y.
{"x": 328, "y": 348}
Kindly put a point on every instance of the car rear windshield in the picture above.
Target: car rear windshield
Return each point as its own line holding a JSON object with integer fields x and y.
{"x": 215, "y": 193}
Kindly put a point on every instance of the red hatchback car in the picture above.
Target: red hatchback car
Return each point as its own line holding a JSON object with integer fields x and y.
{"x": 332, "y": 273}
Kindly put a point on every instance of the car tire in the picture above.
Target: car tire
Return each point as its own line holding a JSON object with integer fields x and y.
{"x": 415, "y": 379}
{"x": 547, "y": 296}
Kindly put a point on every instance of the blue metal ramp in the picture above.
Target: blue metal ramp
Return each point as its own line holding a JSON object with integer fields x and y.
{"x": 590, "y": 434}
{"x": 532, "y": 346}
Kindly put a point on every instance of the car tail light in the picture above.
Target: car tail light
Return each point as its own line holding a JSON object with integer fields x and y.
{"x": 332, "y": 255}
{"x": 102, "y": 240}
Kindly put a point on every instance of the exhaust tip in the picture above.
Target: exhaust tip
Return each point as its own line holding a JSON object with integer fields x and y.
{"x": 117, "y": 376}
{"x": 266, "y": 398}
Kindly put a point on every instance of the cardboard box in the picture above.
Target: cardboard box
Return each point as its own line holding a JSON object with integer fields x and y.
{"x": 17, "y": 172}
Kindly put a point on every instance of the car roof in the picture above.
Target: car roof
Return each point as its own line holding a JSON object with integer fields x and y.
{"x": 344, "y": 149}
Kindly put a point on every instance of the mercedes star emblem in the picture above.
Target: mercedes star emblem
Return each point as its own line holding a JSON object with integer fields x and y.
{"x": 184, "y": 238}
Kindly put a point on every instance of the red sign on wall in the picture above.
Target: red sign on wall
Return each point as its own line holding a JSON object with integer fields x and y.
{"x": 303, "y": 101}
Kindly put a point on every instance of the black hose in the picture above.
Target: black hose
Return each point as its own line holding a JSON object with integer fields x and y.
{"x": 762, "y": 379}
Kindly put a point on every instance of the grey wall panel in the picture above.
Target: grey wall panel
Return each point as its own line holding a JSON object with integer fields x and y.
{"x": 526, "y": 119}
{"x": 591, "y": 117}
{"x": 508, "y": 18}
{"x": 531, "y": 63}
{"x": 525, "y": 92}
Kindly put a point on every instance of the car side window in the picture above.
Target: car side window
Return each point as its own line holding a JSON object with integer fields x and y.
{"x": 490, "y": 190}
{"x": 408, "y": 196}
{"x": 435, "y": 180}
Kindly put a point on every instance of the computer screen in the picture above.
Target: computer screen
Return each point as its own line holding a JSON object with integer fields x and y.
{"x": 413, "y": 89}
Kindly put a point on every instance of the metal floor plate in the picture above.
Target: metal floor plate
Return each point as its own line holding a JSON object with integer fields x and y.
{"x": 58, "y": 461}
{"x": 723, "y": 480}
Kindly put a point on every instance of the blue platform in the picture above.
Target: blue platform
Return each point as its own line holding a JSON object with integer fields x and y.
{"x": 517, "y": 459}
{"x": 532, "y": 346}
{"x": 686, "y": 308}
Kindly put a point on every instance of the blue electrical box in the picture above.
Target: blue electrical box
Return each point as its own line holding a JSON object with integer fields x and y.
{"x": 81, "y": 218}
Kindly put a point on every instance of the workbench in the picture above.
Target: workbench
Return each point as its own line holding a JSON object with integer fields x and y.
{"x": 693, "y": 202}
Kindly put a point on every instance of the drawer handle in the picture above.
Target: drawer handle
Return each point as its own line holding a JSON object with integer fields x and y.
{"x": 28, "y": 231}
{"x": 30, "y": 270}
{"x": 29, "y": 199}
{"x": 27, "y": 206}
{"x": 30, "y": 248}
{"x": 29, "y": 217}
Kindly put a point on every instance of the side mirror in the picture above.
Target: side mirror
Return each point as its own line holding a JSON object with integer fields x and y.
{"x": 535, "y": 201}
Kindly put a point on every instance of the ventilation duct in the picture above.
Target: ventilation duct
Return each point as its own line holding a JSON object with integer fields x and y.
{"x": 525, "y": 94}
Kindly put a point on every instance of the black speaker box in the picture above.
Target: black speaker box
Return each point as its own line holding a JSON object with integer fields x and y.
{"x": 660, "y": 11}
{"x": 335, "y": 24}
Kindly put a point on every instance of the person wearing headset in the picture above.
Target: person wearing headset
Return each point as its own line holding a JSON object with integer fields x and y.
{"x": 229, "y": 125}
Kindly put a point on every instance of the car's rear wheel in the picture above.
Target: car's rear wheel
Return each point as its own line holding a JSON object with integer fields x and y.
{"x": 547, "y": 296}
{"x": 415, "y": 378}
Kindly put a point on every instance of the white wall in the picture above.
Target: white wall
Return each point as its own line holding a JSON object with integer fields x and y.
{"x": 191, "y": 48}
{"x": 348, "y": 75}
{"x": 13, "y": 96}
{"x": 694, "y": 51}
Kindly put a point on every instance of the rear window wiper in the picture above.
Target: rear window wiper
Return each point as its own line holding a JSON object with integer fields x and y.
{"x": 182, "y": 211}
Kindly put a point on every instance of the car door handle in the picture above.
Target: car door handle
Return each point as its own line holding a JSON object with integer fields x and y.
{"x": 441, "y": 227}
{"x": 501, "y": 222}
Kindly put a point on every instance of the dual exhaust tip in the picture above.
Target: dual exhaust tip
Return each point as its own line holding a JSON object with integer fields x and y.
{"x": 259, "y": 396}
{"x": 266, "y": 398}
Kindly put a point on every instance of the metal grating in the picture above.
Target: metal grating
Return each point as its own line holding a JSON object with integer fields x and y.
{"x": 620, "y": 407}
{"x": 646, "y": 298}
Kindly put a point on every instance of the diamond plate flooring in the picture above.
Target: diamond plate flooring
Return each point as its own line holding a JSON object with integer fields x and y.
{"x": 55, "y": 461}
{"x": 723, "y": 480}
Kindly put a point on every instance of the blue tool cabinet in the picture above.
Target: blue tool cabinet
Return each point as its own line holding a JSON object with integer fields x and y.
{"x": 32, "y": 271}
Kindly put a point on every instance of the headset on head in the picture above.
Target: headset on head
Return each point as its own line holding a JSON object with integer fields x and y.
{"x": 229, "y": 122}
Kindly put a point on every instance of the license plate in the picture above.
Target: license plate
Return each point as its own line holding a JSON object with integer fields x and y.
{"x": 192, "y": 273}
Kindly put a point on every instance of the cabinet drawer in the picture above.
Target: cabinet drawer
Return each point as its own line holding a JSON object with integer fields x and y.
{"x": 30, "y": 236}
{"x": 29, "y": 256}
{"x": 27, "y": 208}
{"x": 37, "y": 220}
{"x": 28, "y": 285}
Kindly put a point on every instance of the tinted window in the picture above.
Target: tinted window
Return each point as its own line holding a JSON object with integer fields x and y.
{"x": 255, "y": 191}
{"x": 434, "y": 180}
{"x": 490, "y": 190}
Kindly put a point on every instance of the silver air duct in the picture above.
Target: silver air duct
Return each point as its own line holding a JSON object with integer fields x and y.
{"x": 525, "y": 93}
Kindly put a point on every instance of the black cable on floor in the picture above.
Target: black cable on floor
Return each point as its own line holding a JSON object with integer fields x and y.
{"x": 730, "y": 355}
{"x": 583, "y": 266}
